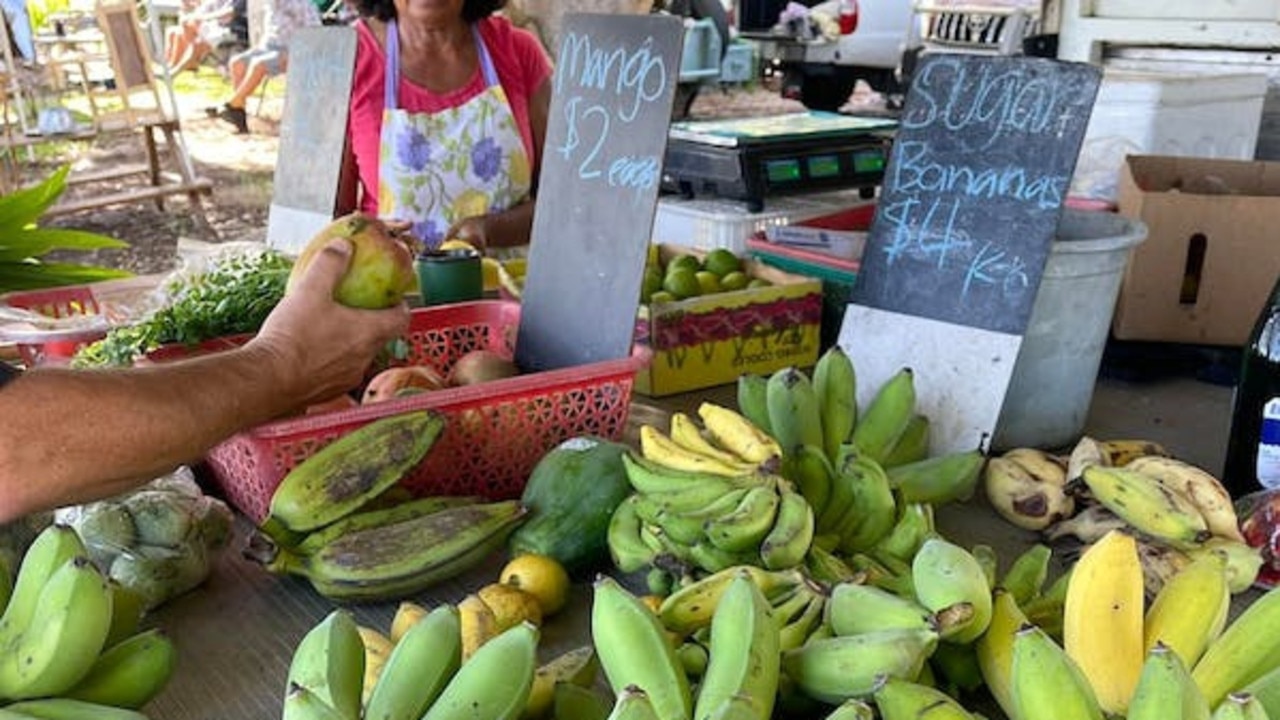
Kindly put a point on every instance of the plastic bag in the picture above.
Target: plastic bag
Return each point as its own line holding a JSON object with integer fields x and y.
{"x": 1259, "y": 515}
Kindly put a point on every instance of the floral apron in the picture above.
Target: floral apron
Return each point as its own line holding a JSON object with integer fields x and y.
{"x": 437, "y": 168}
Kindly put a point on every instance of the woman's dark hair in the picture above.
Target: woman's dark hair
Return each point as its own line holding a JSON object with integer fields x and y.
{"x": 472, "y": 10}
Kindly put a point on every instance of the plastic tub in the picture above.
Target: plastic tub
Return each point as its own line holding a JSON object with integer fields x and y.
{"x": 1053, "y": 379}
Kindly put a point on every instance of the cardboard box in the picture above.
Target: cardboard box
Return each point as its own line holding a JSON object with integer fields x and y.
{"x": 1211, "y": 253}
{"x": 711, "y": 340}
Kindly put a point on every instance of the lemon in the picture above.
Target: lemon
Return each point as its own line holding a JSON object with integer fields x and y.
{"x": 662, "y": 296}
{"x": 684, "y": 262}
{"x": 735, "y": 280}
{"x": 652, "y": 283}
{"x": 722, "y": 261}
{"x": 708, "y": 281}
{"x": 541, "y": 576}
{"x": 682, "y": 283}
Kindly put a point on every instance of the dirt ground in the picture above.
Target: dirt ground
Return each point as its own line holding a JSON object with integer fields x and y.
{"x": 241, "y": 168}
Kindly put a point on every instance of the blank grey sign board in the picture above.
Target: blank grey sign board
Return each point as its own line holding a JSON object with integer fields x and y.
{"x": 614, "y": 81}
{"x": 966, "y": 218}
{"x": 313, "y": 135}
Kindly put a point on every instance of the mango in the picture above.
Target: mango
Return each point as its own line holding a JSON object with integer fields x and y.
{"x": 381, "y": 269}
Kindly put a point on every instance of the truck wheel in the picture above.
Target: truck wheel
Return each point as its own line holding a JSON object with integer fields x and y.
{"x": 828, "y": 93}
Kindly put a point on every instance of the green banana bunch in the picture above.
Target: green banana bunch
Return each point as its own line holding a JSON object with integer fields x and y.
{"x": 744, "y": 652}
{"x": 62, "y": 638}
{"x": 1241, "y": 706}
{"x": 994, "y": 648}
{"x": 789, "y": 539}
{"x": 494, "y": 683}
{"x": 130, "y": 673}
{"x": 871, "y": 512}
{"x": 397, "y": 560}
{"x": 349, "y": 472}
{"x": 1045, "y": 684}
{"x": 836, "y": 385}
{"x": 1026, "y": 576}
{"x": 745, "y": 527}
{"x": 692, "y": 606}
{"x": 327, "y": 668}
{"x": 940, "y": 479}
{"x": 906, "y": 700}
{"x": 634, "y": 650}
{"x": 629, "y": 551}
{"x": 423, "y": 662}
{"x": 944, "y": 575}
{"x": 60, "y": 708}
{"x": 914, "y": 525}
{"x": 650, "y": 477}
{"x": 1244, "y": 652}
{"x": 813, "y": 474}
{"x": 843, "y": 667}
{"x": 827, "y": 568}
{"x": 1165, "y": 690}
{"x": 886, "y": 417}
{"x": 794, "y": 415}
{"x": 854, "y": 609}
{"x": 795, "y": 629}
{"x": 752, "y": 400}
{"x": 911, "y": 446}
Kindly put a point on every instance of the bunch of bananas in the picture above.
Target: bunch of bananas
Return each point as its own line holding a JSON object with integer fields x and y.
{"x": 71, "y": 639}
{"x": 337, "y": 520}
{"x": 1177, "y": 510}
{"x": 1175, "y": 657}
{"x": 424, "y": 675}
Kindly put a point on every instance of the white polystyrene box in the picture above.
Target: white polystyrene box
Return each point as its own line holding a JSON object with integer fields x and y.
{"x": 706, "y": 223}
{"x": 1153, "y": 113}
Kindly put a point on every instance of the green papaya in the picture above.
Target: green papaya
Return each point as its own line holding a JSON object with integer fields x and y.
{"x": 571, "y": 495}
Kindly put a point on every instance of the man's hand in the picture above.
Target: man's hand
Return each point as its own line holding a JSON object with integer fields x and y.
{"x": 473, "y": 230}
{"x": 322, "y": 348}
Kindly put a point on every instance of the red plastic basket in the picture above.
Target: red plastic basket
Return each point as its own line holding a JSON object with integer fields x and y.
{"x": 54, "y": 346}
{"x": 495, "y": 432}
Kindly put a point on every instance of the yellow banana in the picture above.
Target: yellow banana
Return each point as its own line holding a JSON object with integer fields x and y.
{"x": 477, "y": 624}
{"x": 418, "y": 667}
{"x": 1190, "y": 611}
{"x": 495, "y": 682}
{"x": 1199, "y": 486}
{"x": 377, "y": 648}
{"x": 634, "y": 650}
{"x": 328, "y": 663}
{"x": 1165, "y": 690}
{"x": 905, "y": 700}
{"x": 744, "y": 651}
{"x": 1045, "y": 683}
{"x": 1086, "y": 453}
{"x": 1160, "y": 563}
{"x": 1122, "y": 452}
{"x": 658, "y": 447}
{"x": 840, "y": 668}
{"x": 686, "y": 433}
{"x": 739, "y": 435}
{"x": 1102, "y": 618}
{"x": 577, "y": 666}
{"x": 1244, "y": 652}
{"x": 887, "y": 416}
{"x": 408, "y": 613}
{"x": 647, "y": 476}
{"x": 1147, "y": 504}
{"x": 1045, "y": 466}
{"x": 995, "y": 648}
{"x": 752, "y": 401}
{"x": 835, "y": 382}
{"x": 1029, "y": 501}
{"x": 130, "y": 673}
{"x": 945, "y": 574}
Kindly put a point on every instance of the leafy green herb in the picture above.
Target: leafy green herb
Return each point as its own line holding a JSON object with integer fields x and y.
{"x": 234, "y": 295}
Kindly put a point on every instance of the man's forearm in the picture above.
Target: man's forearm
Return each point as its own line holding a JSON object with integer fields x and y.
{"x": 68, "y": 435}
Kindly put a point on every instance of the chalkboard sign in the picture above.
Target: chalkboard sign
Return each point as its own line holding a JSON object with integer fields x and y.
{"x": 615, "y": 78}
{"x": 974, "y": 188}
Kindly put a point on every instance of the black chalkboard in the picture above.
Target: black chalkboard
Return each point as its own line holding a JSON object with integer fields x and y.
{"x": 614, "y": 82}
{"x": 974, "y": 188}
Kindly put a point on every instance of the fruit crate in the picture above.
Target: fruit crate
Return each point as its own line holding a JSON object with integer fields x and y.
{"x": 37, "y": 347}
{"x": 495, "y": 432}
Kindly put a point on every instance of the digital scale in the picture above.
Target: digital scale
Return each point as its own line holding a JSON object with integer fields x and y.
{"x": 749, "y": 159}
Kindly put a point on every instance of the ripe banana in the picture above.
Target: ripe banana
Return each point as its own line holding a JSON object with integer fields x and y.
{"x": 1241, "y": 706}
{"x": 658, "y": 447}
{"x": 1204, "y": 491}
{"x": 329, "y": 663}
{"x": 398, "y": 560}
{"x": 692, "y": 606}
{"x": 1086, "y": 453}
{"x": 1102, "y": 618}
{"x": 1160, "y": 563}
{"x": 939, "y": 479}
{"x": 887, "y": 416}
{"x": 64, "y": 637}
{"x": 995, "y": 648}
{"x": 686, "y": 433}
{"x": 477, "y": 624}
{"x": 788, "y": 541}
{"x": 1244, "y": 652}
{"x": 627, "y": 549}
{"x": 1045, "y": 683}
{"x": 915, "y": 524}
{"x": 739, "y": 435}
{"x": 906, "y": 700}
{"x": 744, "y": 651}
{"x": 752, "y": 400}
{"x": 872, "y": 510}
{"x": 368, "y": 519}
{"x": 130, "y": 673}
{"x": 835, "y": 382}
{"x": 60, "y": 708}
{"x": 813, "y": 474}
{"x": 577, "y": 666}
{"x": 1148, "y": 505}
{"x": 1025, "y": 577}
{"x": 1122, "y": 452}
{"x": 349, "y": 472}
{"x": 746, "y": 525}
{"x": 650, "y": 477}
{"x": 1032, "y": 502}
{"x": 844, "y": 667}
{"x": 854, "y": 609}
{"x": 495, "y": 682}
{"x": 634, "y": 650}
{"x": 419, "y": 668}
{"x": 1190, "y": 611}
{"x": 1165, "y": 690}
{"x": 945, "y": 574}
{"x": 408, "y": 613}
{"x": 1088, "y": 525}
{"x": 377, "y": 648}
{"x": 911, "y": 446}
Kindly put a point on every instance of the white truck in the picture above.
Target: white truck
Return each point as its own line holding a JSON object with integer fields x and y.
{"x": 881, "y": 49}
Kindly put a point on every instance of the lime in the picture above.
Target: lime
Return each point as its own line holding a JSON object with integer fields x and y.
{"x": 684, "y": 262}
{"x": 708, "y": 281}
{"x": 722, "y": 261}
{"x": 735, "y": 280}
{"x": 662, "y": 296}
{"x": 759, "y": 283}
{"x": 682, "y": 283}
{"x": 651, "y": 284}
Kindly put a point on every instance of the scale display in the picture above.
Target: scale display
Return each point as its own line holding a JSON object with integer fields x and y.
{"x": 750, "y": 159}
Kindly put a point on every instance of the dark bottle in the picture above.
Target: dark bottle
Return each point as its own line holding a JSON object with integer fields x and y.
{"x": 1253, "y": 447}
